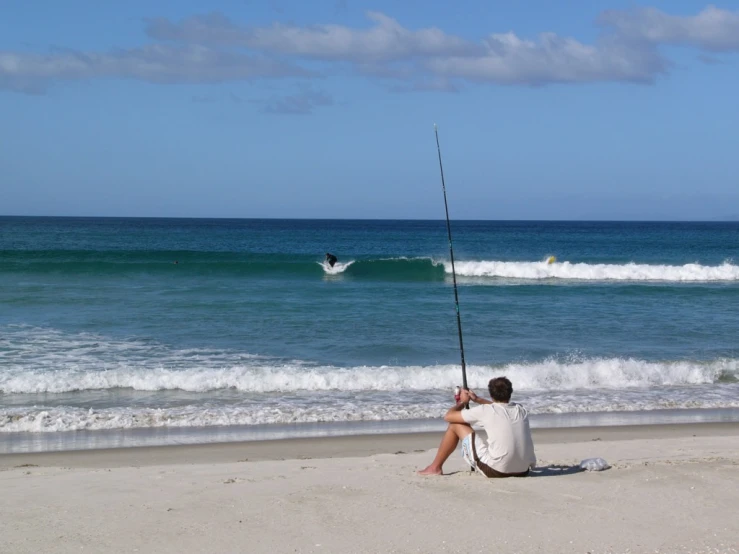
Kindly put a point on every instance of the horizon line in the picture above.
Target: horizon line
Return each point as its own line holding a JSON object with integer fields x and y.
{"x": 728, "y": 219}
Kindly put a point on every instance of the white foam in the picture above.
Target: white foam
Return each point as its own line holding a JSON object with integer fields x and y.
{"x": 234, "y": 388}
{"x": 596, "y": 272}
{"x": 337, "y": 268}
{"x": 203, "y": 375}
{"x": 616, "y": 373}
{"x": 67, "y": 419}
{"x": 339, "y": 408}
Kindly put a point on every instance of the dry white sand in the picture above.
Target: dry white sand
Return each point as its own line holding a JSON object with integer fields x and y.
{"x": 672, "y": 489}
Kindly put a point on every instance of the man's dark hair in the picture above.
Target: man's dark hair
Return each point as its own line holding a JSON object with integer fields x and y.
{"x": 500, "y": 389}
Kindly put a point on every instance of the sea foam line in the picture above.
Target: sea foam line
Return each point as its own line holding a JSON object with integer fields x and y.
{"x": 596, "y": 272}
{"x": 367, "y": 407}
{"x": 258, "y": 377}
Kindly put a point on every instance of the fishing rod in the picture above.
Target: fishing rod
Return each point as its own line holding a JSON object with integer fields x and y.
{"x": 451, "y": 255}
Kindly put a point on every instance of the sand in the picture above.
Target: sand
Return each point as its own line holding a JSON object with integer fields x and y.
{"x": 671, "y": 489}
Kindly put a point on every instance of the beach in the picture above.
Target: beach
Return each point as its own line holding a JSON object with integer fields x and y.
{"x": 245, "y": 307}
{"x": 671, "y": 488}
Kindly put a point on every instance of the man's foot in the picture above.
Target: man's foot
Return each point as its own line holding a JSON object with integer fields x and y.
{"x": 430, "y": 470}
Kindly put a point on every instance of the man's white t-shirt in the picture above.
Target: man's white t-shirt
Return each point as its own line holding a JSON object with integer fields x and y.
{"x": 510, "y": 446}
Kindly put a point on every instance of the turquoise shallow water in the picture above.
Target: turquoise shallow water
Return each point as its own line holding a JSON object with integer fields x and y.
{"x": 99, "y": 329}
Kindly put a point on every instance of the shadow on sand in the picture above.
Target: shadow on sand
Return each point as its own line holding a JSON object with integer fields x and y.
{"x": 554, "y": 470}
{"x": 542, "y": 471}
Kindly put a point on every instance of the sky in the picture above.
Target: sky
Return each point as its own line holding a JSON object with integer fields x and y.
{"x": 326, "y": 109}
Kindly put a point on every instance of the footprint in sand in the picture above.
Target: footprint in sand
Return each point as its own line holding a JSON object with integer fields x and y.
{"x": 233, "y": 480}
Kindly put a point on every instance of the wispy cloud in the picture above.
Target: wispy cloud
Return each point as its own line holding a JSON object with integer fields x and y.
{"x": 426, "y": 85}
{"x": 711, "y": 29}
{"x": 156, "y": 63}
{"x": 212, "y": 48}
{"x": 302, "y": 103}
{"x": 508, "y": 59}
{"x": 388, "y": 49}
{"x": 386, "y": 40}
{"x": 708, "y": 59}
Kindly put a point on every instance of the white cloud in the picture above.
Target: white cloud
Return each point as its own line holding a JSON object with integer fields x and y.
{"x": 212, "y": 48}
{"x": 711, "y": 29}
{"x": 156, "y": 63}
{"x": 418, "y": 57}
{"x": 509, "y": 59}
{"x": 385, "y": 40}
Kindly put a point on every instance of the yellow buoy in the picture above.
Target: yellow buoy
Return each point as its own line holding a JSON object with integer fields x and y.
{"x": 551, "y": 259}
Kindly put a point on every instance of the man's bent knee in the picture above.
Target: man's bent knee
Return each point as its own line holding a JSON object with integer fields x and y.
{"x": 460, "y": 429}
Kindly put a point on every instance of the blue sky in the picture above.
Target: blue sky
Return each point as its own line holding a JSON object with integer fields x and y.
{"x": 546, "y": 110}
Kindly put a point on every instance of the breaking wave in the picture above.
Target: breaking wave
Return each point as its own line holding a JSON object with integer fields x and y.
{"x": 54, "y": 381}
{"x": 263, "y": 377}
{"x": 363, "y": 407}
{"x": 597, "y": 272}
{"x": 390, "y": 269}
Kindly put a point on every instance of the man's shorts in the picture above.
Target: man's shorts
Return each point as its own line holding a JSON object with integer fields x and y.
{"x": 475, "y": 453}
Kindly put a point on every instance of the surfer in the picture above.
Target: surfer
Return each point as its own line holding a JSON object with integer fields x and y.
{"x": 509, "y": 448}
{"x": 331, "y": 259}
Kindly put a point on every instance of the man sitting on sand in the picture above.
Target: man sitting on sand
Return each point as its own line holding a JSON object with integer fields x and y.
{"x": 509, "y": 448}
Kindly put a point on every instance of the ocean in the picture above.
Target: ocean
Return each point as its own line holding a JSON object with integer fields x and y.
{"x": 199, "y": 328}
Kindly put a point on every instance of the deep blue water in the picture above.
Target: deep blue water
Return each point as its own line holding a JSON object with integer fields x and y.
{"x": 94, "y": 313}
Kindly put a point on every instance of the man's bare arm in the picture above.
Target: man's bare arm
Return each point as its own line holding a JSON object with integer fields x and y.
{"x": 478, "y": 399}
{"x": 454, "y": 415}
